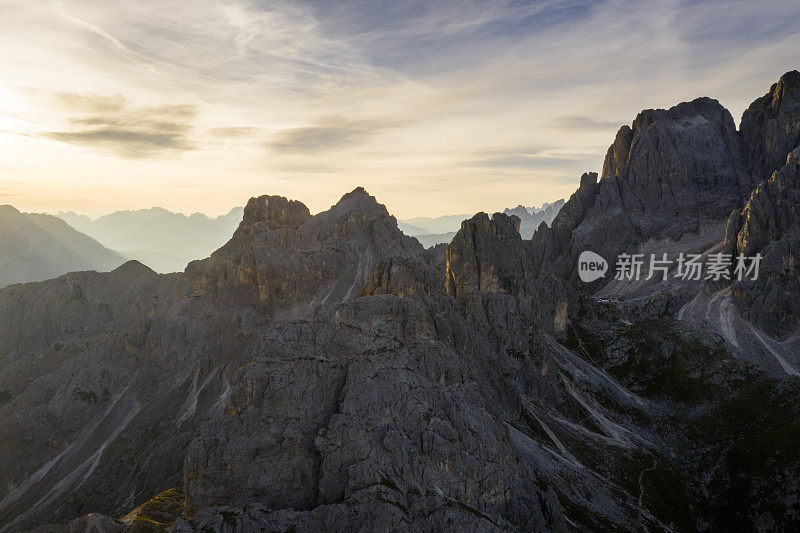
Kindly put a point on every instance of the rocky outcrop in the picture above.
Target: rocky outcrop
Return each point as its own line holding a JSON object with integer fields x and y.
{"x": 376, "y": 417}
{"x": 770, "y": 128}
{"x": 576, "y": 209}
{"x": 671, "y": 169}
{"x": 286, "y": 262}
{"x": 485, "y": 257}
{"x": 618, "y": 152}
{"x": 489, "y": 268}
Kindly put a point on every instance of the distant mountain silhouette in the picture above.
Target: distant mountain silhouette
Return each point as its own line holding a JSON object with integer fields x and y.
{"x": 532, "y": 217}
{"x": 439, "y": 230}
{"x": 427, "y": 225}
{"x": 163, "y": 240}
{"x": 38, "y": 247}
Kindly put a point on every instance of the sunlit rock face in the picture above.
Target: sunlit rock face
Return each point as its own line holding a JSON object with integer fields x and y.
{"x": 770, "y": 128}
{"x": 769, "y": 225}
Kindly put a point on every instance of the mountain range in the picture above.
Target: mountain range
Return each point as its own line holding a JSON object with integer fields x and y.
{"x": 440, "y": 230}
{"x": 328, "y": 372}
{"x": 163, "y": 240}
{"x": 36, "y": 247}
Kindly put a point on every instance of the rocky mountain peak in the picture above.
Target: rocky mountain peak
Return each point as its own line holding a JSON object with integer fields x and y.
{"x": 357, "y": 202}
{"x": 685, "y": 114}
{"x": 575, "y": 209}
{"x": 357, "y": 217}
{"x": 273, "y": 212}
{"x": 285, "y": 261}
{"x": 669, "y": 173}
{"x": 519, "y": 211}
{"x": 134, "y": 268}
{"x": 357, "y": 196}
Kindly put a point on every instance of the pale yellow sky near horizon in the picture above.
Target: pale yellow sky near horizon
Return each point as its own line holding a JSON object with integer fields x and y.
{"x": 434, "y": 108}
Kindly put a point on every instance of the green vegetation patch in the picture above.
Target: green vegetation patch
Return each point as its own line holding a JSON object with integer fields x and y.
{"x": 159, "y": 512}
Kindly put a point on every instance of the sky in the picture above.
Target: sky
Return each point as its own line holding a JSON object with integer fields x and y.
{"x": 435, "y": 107}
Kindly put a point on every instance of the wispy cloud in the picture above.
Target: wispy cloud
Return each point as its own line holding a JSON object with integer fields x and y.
{"x": 327, "y": 134}
{"x": 582, "y": 122}
{"x": 235, "y": 132}
{"x": 109, "y": 123}
{"x": 527, "y": 161}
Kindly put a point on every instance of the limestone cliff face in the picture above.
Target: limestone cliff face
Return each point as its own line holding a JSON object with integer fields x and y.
{"x": 682, "y": 165}
{"x": 575, "y": 210}
{"x": 674, "y": 168}
{"x": 106, "y": 376}
{"x": 335, "y": 401}
{"x": 770, "y": 128}
{"x": 618, "y": 152}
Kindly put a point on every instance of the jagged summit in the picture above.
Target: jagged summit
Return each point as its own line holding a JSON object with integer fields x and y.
{"x": 357, "y": 202}
{"x": 288, "y": 261}
{"x": 273, "y": 212}
{"x": 358, "y": 196}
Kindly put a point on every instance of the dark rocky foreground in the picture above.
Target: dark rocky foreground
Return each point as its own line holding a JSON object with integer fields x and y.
{"x": 327, "y": 372}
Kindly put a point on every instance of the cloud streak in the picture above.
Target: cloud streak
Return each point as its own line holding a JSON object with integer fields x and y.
{"x": 582, "y": 123}
{"x": 327, "y": 134}
{"x": 109, "y": 123}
